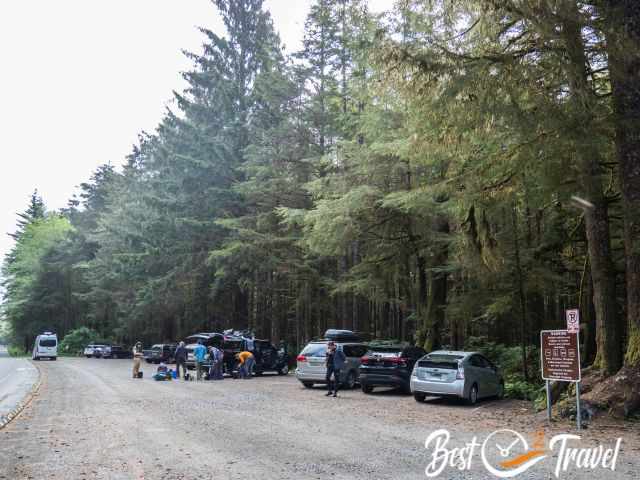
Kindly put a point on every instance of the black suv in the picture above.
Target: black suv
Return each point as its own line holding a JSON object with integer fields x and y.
{"x": 269, "y": 358}
{"x": 388, "y": 366}
{"x": 160, "y": 352}
{"x": 116, "y": 351}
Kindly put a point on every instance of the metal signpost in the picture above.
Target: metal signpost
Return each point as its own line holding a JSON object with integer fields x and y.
{"x": 560, "y": 355}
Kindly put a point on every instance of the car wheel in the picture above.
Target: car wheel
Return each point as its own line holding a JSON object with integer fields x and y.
{"x": 148, "y": 361}
{"x": 366, "y": 388}
{"x": 500, "y": 393}
{"x": 54, "y": 358}
{"x": 350, "y": 381}
{"x": 88, "y": 356}
{"x": 419, "y": 397}
{"x": 307, "y": 385}
{"x": 284, "y": 370}
{"x": 36, "y": 358}
{"x": 472, "y": 399}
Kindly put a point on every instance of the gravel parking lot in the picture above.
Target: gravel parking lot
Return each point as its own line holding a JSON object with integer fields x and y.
{"x": 91, "y": 420}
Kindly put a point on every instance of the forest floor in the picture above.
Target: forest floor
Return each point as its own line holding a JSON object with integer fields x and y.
{"x": 91, "y": 420}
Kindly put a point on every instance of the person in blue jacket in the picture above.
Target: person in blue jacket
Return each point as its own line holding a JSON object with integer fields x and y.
{"x": 199, "y": 353}
{"x": 335, "y": 362}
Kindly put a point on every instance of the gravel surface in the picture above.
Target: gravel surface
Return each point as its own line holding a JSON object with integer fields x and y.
{"x": 90, "y": 420}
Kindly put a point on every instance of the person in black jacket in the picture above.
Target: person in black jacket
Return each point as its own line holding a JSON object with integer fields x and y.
{"x": 335, "y": 362}
{"x": 181, "y": 360}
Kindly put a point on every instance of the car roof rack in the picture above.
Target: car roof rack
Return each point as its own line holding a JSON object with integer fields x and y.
{"x": 339, "y": 335}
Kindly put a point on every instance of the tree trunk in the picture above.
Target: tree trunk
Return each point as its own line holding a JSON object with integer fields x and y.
{"x": 623, "y": 47}
{"x": 421, "y": 299}
{"x": 521, "y": 296}
{"x": 434, "y": 317}
{"x": 608, "y": 334}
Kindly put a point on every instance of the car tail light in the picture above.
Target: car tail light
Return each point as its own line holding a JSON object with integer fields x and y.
{"x": 301, "y": 358}
{"x": 364, "y": 360}
{"x": 400, "y": 361}
{"x": 460, "y": 373}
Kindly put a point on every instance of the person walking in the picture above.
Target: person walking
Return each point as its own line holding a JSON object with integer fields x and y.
{"x": 246, "y": 364}
{"x": 199, "y": 353}
{"x": 137, "y": 359}
{"x": 335, "y": 361}
{"x": 181, "y": 360}
{"x": 215, "y": 370}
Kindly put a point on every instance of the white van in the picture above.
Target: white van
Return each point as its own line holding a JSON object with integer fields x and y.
{"x": 46, "y": 346}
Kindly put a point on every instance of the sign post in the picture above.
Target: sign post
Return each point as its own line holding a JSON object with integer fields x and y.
{"x": 560, "y": 355}
{"x": 573, "y": 326}
{"x": 548, "y": 400}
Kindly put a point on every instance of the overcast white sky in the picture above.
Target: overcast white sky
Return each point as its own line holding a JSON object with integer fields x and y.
{"x": 81, "y": 78}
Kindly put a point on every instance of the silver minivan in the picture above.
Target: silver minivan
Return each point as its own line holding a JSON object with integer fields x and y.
{"x": 312, "y": 368}
{"x": 467, "y": 375}
{"x": 46, "y": 346}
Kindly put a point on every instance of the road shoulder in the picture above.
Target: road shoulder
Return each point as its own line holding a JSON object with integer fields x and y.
{"x": 20, "y": 380}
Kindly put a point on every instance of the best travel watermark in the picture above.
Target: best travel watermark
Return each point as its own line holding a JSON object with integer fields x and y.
{"x": 506, "y": 453}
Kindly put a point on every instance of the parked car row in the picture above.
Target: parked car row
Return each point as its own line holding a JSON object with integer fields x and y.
{"x": 466, "y": 375}
{"x": 102, "y": 350}
{"x": 267, "y": 357}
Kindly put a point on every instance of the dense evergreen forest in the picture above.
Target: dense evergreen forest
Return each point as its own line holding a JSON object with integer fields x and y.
{"x": 410, "y": 175}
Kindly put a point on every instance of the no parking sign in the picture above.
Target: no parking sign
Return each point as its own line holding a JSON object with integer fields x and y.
{"x": 573, "y": 321}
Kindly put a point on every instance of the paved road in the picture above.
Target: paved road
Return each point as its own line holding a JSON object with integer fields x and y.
{"x": 17, "y": 376}
{"x": 92, "y": 421}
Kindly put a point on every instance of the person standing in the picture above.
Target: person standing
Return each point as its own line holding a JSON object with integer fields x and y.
{"x": 199, "y": 353}
{"x": 181, "y": 360}
{"x": 215, "y": 370}
{"x": 335, "y": 361}
{"x": 137, "y": 358}
{"x": 246, "y": 364}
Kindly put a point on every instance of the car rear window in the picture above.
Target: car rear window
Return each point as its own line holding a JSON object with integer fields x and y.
{"x": 48, "y": 343}
{"x": 354, "y": 350}
{"x": 315, "y": 350}
{"x": 441, "y": 361}
{"x": 232, "y": 345}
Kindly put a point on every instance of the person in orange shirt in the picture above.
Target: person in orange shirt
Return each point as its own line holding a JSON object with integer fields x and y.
{"x": 245, "y": 367}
